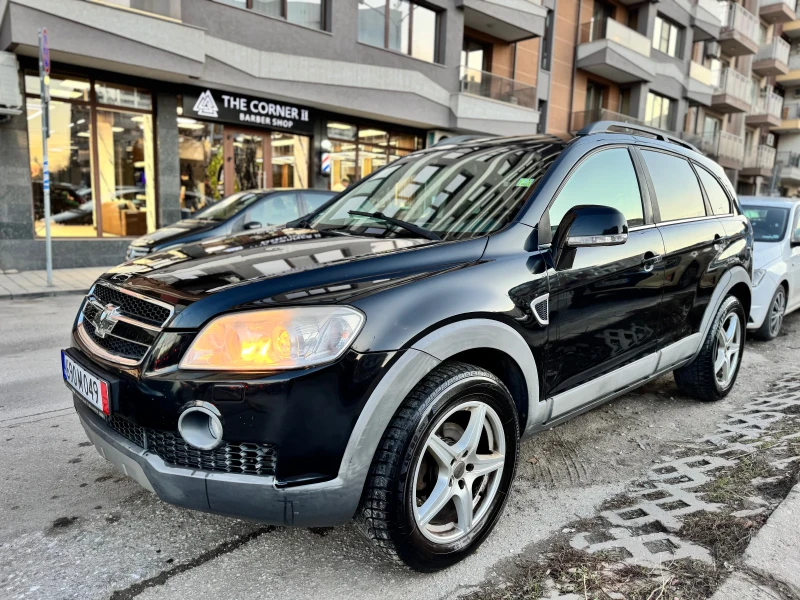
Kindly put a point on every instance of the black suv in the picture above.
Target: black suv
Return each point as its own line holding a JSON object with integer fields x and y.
{"x": 382, "y": 359}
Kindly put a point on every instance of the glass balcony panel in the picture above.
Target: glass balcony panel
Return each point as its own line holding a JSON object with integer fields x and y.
{"x": 615, "y": 31}
{"x": 164, "y": 8}
{"x": 581, "y": 119}
{"x": 489, "y": 85}
{"x": 702, "y": 74}
{"x": 737, "y": 18}
{"x": 731, "y": 146}
{"x": 777, "y": 49}
{"x": 729, "y": 81}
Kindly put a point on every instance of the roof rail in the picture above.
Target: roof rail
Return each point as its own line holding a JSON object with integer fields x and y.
{"x": 634, "y": 129}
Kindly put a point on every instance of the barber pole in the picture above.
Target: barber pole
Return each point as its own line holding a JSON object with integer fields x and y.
{"x": 326, "y": 163}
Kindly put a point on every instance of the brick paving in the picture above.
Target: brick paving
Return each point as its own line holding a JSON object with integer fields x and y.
{"x": 22, "y": 284}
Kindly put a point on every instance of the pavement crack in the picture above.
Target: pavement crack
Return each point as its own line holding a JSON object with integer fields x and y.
{"x": 164, "y": 576}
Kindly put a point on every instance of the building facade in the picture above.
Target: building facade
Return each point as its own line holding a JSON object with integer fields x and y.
{"x": 161, "y": 107}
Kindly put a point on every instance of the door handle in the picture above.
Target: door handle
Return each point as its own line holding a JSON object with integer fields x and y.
{"x": 650, "y": 260}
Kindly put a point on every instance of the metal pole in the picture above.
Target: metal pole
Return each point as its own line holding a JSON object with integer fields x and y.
{"x": 44, "y": 81}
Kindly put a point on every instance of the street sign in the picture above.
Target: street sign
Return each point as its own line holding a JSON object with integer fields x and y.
{"x": 45, "y": 52}
{"x": 44, "y": 86}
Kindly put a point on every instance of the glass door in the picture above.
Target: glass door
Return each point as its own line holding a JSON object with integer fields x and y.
{"x": 248, "y": 156}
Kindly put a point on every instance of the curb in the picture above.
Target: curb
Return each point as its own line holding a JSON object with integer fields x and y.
{"x": 43, "y": 294}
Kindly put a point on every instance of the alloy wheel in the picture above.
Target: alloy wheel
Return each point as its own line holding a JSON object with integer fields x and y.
{"x": 728, "y": 349}
{"x": 776, "y": 312}
{"x": 458, "y": 473}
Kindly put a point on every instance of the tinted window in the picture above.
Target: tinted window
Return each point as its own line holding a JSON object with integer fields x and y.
{"x": 720, "y": 203}
{"x": 316, "y": 199}
{"x": 607, "y": 178}
{"x": 677, "y": 189}
{"x": 769, "y": 224}
{"x": 225, "y": 209}
{"x": 275, "y": 210}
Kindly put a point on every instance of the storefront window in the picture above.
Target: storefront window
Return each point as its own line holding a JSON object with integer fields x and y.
{"x": 289, "y": 160}
{"x": 399, "y": 25}
{"x": 102, "y": 163}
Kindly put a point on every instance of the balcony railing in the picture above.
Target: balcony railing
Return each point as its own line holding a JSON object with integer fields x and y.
{"x": 737, "y": 18}
{"x": 790, "y": 3}
{"x": 714, "y": 7}
{"x": 583, "y": 118}
{"x": 762, "y": 157}
{"x": 489, "y": 85}
{"x": 768, "y": 103}
{"x": 707, "y": 143}
{"x": 702, "y": 74}
{"x": 164, "y": 8}
{"x": 788, "y": 159}
{"x": 791, "y": 111}
{"x": 728, "y": 81}
{"x": 777, "y": 49}
{"x": 731, "y": 146}
{"x": 609, "y": 29}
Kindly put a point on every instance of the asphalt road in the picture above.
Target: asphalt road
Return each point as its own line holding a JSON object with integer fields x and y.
{"x": 72, "y": 527}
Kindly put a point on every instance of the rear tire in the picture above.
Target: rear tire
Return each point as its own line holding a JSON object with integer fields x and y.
{"x": 713, "y": 372}
{"x": 773, "y": 322}
{"x": 442, "y": 473}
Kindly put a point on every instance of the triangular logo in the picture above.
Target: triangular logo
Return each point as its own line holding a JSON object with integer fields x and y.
{"x": 205, "y": 105}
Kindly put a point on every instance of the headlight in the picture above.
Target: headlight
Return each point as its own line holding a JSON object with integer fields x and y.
{"x": 758, "y": 275}
{"x": 263, "y": 340}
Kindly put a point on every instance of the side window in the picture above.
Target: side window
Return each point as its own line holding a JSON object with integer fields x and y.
{"x": 274, "y": 210}
{"x": 677, "y": 189}
{"x": 316, "y": 199}
{"x": 608, "y": 178}
{"x": 720, "y": 203}
{"x": 796, "y": 227}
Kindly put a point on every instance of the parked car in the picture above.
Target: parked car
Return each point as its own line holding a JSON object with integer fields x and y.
{"x": 776, "y": 278}
{"x": 382, "y": 359}
{"x": 251, "y": 209}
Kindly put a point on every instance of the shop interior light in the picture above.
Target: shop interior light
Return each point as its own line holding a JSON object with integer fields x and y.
{"x": 83, "y": 134}
{"x": 117, "y": 129}
{"x": 137, "y": 119}
{"x": 67, "y": 94}
{"x": 371, "y": 133}
{"x": 75, "y": 85}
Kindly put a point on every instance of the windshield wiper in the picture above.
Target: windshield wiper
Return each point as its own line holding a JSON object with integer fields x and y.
{"x": 428, "y": 235}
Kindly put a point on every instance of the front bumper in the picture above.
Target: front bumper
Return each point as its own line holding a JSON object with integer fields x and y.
{"x": 251, "y": 497}
{"x": 761, "y": 300}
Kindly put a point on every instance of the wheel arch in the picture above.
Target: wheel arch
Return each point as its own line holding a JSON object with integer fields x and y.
{"x": 735, "y": 281}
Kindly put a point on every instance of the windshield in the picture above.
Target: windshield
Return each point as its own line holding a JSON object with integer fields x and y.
{"x": 456, "y": 192}
{"x": 769, "y": 223}
{"x": 226, "y": 208}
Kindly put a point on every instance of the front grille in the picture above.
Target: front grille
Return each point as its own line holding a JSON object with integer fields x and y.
{"x": 133, "y": 306}
{"x": 115, "y": 345}
{"x": 243, "y": 458}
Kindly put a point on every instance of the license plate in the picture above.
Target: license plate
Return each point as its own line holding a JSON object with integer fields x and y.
{"x": 89, "y": 387}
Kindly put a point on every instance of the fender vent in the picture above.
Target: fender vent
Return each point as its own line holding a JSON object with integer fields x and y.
{"x": 541, "y": 309}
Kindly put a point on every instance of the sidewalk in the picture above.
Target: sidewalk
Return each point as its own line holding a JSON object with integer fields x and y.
{"x": 27, "y": 284}
{"x": 772, "y": 560}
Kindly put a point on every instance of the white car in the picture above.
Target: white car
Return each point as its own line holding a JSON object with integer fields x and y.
{"x": 776, "y": 262}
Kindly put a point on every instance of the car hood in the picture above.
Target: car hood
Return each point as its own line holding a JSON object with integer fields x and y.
{"x": 765, "y": 253}
{"x": 175, "y": 232}
{"x": 283, "y": 266}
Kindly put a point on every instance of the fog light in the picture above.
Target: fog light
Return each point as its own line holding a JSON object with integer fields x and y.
{"x": 200, "y": 426}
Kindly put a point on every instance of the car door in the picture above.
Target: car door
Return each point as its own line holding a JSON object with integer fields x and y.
{"x": 605, "y": 303}
{"x": 276, "y": 209}
{"x": 693, "y": 239}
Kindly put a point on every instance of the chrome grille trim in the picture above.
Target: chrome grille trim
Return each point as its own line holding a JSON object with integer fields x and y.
{"x": 133, "y": 294}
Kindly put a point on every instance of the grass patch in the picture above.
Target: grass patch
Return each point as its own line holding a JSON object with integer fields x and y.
{"x": 623, "y": 500}
{"x": 726, "y": 537}
{"x": 732, "y": 486}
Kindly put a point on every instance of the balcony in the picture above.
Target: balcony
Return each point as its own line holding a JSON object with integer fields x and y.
{"x": 740, "y": 30}
{"x": 789, "y": 167}
{"x": 707, "y": 143}
{"x": 170, "y": 9}
{"x": 792, "y": 29}
{"x": 772, "y": 58}
{"x": 766, "y": 109}
{"x": 493, "y": 104}
{"x": 759, "y": 162}
{"x": 701, "y": 85}
{"x": 793, "y": 76}
{"x": 733, "y": 93}
{"x": 790, "y": 119}
{"x": 609, "y": 49}
{"x": 509, "y": 20}
{"x": 706, "y": 19}
{"x": 730, "y": 154}
{"x": 777, "y": 11}
{"x": 583, "y": 118}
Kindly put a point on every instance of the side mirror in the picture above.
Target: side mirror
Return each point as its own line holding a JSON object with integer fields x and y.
{"x": 252, "y": 225}
{"x": 592, "y": 225}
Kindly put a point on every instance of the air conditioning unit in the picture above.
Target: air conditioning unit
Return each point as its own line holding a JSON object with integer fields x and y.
{"x": 10, "y": 97}
{"x": 437, "y": 135}
{"x": 713, "y": 49}
{"x": 770, "y": 140}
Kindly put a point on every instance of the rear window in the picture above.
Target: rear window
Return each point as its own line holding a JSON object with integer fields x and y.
{"x": 769, "y": 224}
{"x": 677, "y": 189}
{"x": 717, "y": 198}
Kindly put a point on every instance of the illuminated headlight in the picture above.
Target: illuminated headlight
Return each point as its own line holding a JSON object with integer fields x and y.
{"x": 758, "y": 275}
{"x": 264, "y": 340}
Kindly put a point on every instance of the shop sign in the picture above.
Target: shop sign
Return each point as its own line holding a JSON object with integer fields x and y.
{"x": 230, "y": 107}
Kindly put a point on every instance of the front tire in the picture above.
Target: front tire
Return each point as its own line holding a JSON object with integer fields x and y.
{"x": 711, "y": 375}
{"x": 773, "y": 322}
{"x": 443, "y": 470}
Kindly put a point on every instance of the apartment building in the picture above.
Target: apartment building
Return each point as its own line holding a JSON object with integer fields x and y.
{"x": 160, "y": 107}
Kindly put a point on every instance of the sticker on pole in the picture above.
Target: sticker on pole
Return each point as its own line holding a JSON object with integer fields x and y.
{"x": 45, "y": 52}
{"x": 46, "y": 176}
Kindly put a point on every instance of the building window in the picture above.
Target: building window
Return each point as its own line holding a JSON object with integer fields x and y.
{"x": 660, "y": 112}
{"x": 668, "y": 37}
{"x": 358, "y": 151}
{"x": 308, "y": 13}
{"x": 547, "y": 41}
{"x": 399, "y": 25}
{"x": 101, "y": 154}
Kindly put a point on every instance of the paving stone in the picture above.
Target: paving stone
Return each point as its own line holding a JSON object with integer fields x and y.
{"x": 689, "y": 472}
{"x": 649, "y": 550}
{"x": 678, "y": 502}
{"x": 741, "y": 587}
